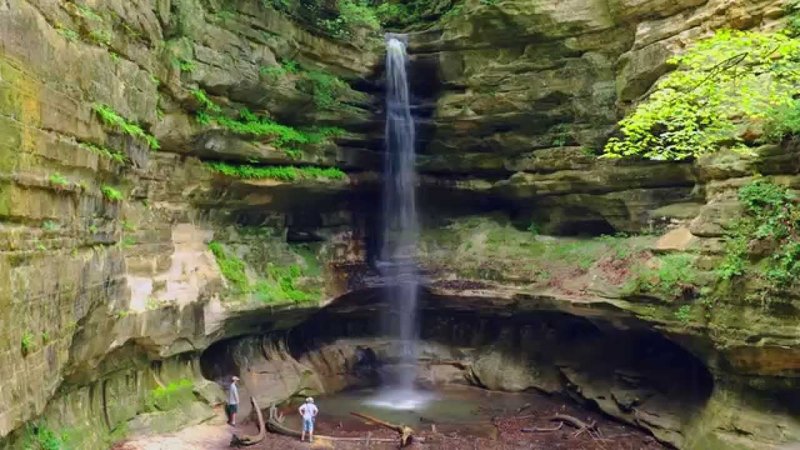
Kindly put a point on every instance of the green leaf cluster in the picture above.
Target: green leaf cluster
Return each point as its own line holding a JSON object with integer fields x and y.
{"x": 772, "y": 219}
{"x": 281, "y": 284}
{"x": 171, "y": 396}
{"x": 113, "y": 155}
{"x": 231, "y": 266}
{"x": 284, "y": 137}
{"x": 670, "y": 276}
{"x": 281, "y": 173}
{"x": 119, "y": 123}
{"x": 41, "y": 437}
{"x": 729, "y": 77}
{"x": 353, "y": 15}
{"x": 111, "y": 193}
{"x": 277, "y": 284}
{"x": 56, "y": 179}
{"x": 328, "y": 91}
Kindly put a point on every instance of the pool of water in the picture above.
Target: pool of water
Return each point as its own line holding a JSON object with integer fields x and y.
{"x": 467, "y": 409}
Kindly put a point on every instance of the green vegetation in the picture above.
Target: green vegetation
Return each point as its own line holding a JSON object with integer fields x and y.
{"x": 282, "y": 173}
{"x": 328, "y": 91}
{"x": 128, "y": 241}
{"x": 729, "y": 77}
{"x": 49, "y": 225}
{"x": 353, "y": 15}
{"x": 771, "y": 222}
{"x": 669, "y": 276}
{"x": 184, "y": 65}
{"x": 684, "y": 314}
{"x": 232, "y": 267}
{"x": 496, "y": 250}
{"x": 101, "y": 37}
{"x": 206, "y": 102}
{"x": 561, "y": 135}
{"x": 171, "y": 396}
{"x": 57, "y": 179}
{"x": 248, "y": 123}
{"x": 114, "y": 155}
{"x": 277, "y": 283}
{"x": 111, "y": 193}
{"x": 340, "y": 18}
{"x": 69, "y": 34}
{"x": 280, "y": 284}
{"x": 26, "y": 343}
{"x": 119, "y": 123}
{"x": 88, "y": 13}
{"x": 41, "y": 437}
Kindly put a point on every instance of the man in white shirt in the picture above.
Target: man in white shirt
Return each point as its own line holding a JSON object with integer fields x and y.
{"x": 233, "y": 402}
{"x": 309, "y": 412}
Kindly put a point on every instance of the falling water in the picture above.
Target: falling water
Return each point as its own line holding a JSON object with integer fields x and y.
{"x": 400, "y": 226}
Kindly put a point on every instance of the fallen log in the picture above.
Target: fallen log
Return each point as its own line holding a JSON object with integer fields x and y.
{"x": 246, "y": 441}
{"x": 574, "y": 421}
{"x": 406, "y": 433}
{"x": 275, "y": 425}
{"x": 542, "y": 430}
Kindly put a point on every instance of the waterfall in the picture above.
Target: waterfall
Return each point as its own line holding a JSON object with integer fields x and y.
{"x": 400, "y": 225}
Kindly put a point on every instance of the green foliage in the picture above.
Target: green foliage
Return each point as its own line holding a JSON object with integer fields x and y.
{"x": 231, "y": 266}
{"x": 26, "y": 343}
{"x": 733, "y": 75}
{"x": 128, "y": 241}
{"x": 281, "y": 173}
{"x": 206, "y": 102}
{"x": 69, "y": 34}
{"x": 353, "y": 15}
{"x": 101, "y": 37}
{"x": 684, "y": 314}
{"x": 41, "y": 437}
{"x": 247, "y": 123}
{"x": 671, "y": 276}
{"x": 114, "y": 155}
{"x": 783, "y": 120}
{"x": 771, "y": 218}
{"x": 171, "y": 396}
{"x": 49, "y": 225}
{"x": 281, "y": 284}
{"x": 119, "y": 123}
{"x": 88, "y": 13}
{"x": 327, "y": 90}
{"x": 184, "y": 65}
{"x": 111, "y": 193}
{"x": 57, "y": 179}
{"x": 561, "y": 135}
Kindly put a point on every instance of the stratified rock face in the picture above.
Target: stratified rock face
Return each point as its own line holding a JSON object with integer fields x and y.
{"x": 105, "y": 264}
{"x": 110, "y": 289}
{"x": 526, "y": 93}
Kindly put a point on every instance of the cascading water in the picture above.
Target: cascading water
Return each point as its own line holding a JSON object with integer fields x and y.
{"x": 400, "y": 229}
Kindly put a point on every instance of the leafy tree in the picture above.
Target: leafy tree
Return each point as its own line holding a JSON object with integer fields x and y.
{"x": 729, "y": 77}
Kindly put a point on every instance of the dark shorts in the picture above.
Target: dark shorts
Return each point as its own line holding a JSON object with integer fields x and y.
{"x": 231, "y": 409}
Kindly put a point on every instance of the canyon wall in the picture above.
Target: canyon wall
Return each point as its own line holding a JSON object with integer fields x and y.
{"x": 120, "y": 264}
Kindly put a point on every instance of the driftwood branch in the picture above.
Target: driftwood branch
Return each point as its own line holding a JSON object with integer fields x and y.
{"x": 406, "y": 433}
{"x": 542, "y": 430}
{"x": 574, "y": 421}
{"x": 246, "y": 441}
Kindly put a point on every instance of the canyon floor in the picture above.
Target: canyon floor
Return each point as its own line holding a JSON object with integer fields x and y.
{"x": 504, "y": 432}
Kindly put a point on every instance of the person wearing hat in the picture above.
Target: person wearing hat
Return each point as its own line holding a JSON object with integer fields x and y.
{"x": 233, "y": 402}
{"x": 309, "y": 412}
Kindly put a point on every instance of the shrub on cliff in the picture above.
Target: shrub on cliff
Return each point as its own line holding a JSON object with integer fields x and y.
{"x": 729, "y": 78}
{"x": 768, "y": 232}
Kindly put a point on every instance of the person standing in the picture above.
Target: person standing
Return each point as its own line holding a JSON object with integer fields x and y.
{"x": 309, "y": 413}
{"x": 232, "y": 407}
